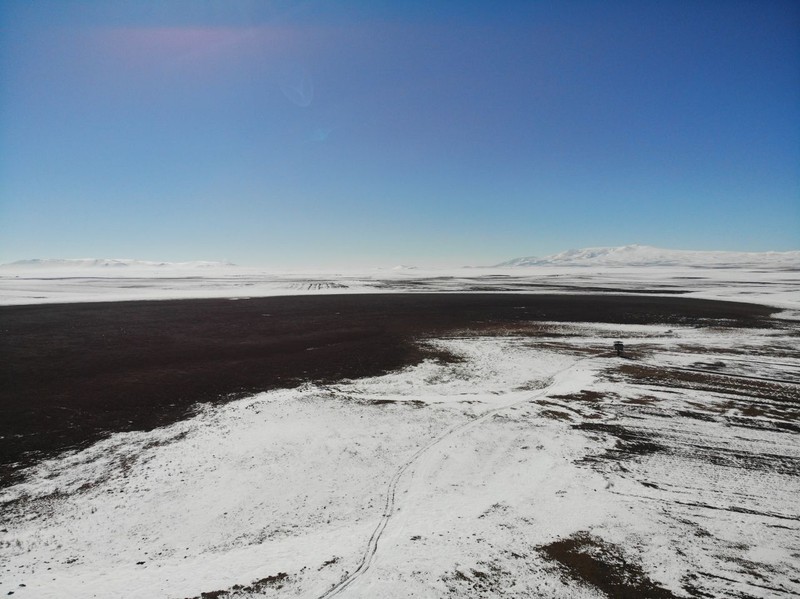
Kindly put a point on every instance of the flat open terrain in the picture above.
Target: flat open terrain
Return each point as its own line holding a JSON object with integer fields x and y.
{"x": 73, "y": 373}
{"x": 453, "y": 445}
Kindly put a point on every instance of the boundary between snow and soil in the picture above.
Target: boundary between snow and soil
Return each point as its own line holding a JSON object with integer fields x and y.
{"x": 173, "y": 354}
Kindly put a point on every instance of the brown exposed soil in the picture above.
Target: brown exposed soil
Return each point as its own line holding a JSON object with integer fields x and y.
{"x": 556, "y": 415}
{"x": 630, "y": 442}
{"x": 748, "y": 386}
{"x": 586, "y": 395}
{"x": 590, "y": 560}
{"x": 259, "y": 586}
{"x": 73, "y": 373}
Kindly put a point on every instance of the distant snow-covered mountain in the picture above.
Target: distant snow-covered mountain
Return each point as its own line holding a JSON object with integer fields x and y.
{"x": 643, "y": 255}
{"x": 58, "y": 263}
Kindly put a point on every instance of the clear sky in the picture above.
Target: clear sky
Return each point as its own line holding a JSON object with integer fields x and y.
{"x": 336, "y": 133}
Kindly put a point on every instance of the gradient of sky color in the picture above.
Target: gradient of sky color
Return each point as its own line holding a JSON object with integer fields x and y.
{"x": 317, "y": 133}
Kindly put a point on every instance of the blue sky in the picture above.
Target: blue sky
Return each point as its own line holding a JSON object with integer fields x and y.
{"x": 294, "y": 134}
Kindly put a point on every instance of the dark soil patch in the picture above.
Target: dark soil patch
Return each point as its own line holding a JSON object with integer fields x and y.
{"x": 710, "y": 381}
{"x": 556, "y": 415}
{"x": 732, "y": 458}
{"x": 592, "y": 561}
{"x": 328, "y": 562}
{"x": 412, "y": 403}
{"x": 644, "y": 400}
{"x": 585, "y": 395}
{"x": 490, "y": 578}
{"x": 718, "y": 365}
{"x": 259, "y": 586}
{"x": 73, "y": 373}
{"x": 697, "y": 415}
{"x": 630, "y": 442}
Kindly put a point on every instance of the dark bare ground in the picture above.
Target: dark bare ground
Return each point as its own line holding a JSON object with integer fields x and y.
{"x": 748, "y": 386}
{"x": 585, "y": 395}
{"x": 590, "y": 560}
{"x": 74, "y": 373}
{"x": 630, "y": 442}
{"x": 259, "y": 586}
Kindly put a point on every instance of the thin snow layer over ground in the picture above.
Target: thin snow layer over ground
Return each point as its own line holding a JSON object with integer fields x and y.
{"x": 536, "y": 464}
{"x": 775, "y": 285}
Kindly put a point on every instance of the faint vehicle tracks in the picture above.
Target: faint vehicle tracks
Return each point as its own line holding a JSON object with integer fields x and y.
{"x": 389, "y": 508}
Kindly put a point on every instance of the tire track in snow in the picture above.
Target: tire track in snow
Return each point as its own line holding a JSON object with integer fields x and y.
{"x": 388, "y": 511}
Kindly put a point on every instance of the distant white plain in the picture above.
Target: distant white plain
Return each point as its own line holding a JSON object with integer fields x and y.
{"x": 771, "y": 282}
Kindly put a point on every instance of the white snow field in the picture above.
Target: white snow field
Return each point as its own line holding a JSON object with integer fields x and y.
{"x": 643, "y": 255}
{"x": 676, "y": 471}
{"x": 766, "y": 277}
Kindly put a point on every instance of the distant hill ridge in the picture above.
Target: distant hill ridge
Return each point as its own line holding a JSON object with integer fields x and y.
{"x": 111, "y": 263}
{"x": 643, "y": 255}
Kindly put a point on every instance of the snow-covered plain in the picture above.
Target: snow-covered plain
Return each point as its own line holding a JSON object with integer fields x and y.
{"x": 457, "y": 479}
{"x": 768, "y": 277}
{"x": 644, "y": 255}
{"x": 533, "y": 460}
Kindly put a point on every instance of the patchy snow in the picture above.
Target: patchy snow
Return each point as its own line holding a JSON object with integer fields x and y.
{"x": 444, "y": 479}
{"x": 771, "y": 286}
